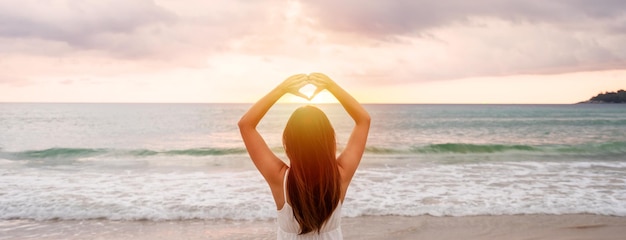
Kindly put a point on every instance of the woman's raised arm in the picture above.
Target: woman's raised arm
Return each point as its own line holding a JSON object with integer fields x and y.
{"x": 264, "y": 159}
{"x": 350, "y": 157}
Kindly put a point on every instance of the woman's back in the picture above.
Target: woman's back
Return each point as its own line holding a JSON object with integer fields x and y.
{"x": 288, "y": 227}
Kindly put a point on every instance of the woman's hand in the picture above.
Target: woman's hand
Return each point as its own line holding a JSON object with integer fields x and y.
{"x": 321, "y": 81}
{"x": 293, "y": 84}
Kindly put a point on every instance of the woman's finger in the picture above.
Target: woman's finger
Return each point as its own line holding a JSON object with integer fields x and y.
{"x": 317, "y": 90}
{"x": 294, "y": 80}
{"x": 317, "y": 82}
{"x": 298, "y": 85}
{"x": 301, "y": 75}
{"x": 320, "y": 76}
{"x": 299, "y": 94}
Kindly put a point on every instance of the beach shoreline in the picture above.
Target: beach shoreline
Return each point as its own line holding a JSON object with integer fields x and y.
{"x": 540, "y": 226}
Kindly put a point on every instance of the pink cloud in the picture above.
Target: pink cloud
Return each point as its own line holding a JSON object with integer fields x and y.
{"x": 379, "y": 18}
{"x": 369, "y": 43}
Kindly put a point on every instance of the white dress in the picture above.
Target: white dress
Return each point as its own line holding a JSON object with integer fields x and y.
{"x": 288, "y": 227}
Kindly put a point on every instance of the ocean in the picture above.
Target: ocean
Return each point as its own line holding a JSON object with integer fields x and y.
{"x": 158, "y": 162}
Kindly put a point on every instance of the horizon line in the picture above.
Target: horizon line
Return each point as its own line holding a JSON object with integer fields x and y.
{"x": 328, "y": 103}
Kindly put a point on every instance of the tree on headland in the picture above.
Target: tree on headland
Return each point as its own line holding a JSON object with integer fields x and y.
{"x": 609, "y": 97}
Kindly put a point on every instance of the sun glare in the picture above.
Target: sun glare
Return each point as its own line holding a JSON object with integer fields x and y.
{"x": 324, "y": 97}
{"x": 308, "y": 90}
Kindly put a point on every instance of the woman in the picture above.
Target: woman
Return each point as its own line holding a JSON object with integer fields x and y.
{"x": 310, "y": 190}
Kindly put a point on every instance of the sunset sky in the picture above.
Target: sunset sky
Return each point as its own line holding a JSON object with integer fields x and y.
{"x": 397, "y": 51}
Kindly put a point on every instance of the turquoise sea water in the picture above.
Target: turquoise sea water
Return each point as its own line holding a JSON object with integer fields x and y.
{"x": 187, "y": 161}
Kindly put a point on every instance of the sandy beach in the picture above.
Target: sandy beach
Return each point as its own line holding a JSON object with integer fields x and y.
{"x": 387, "y": 227}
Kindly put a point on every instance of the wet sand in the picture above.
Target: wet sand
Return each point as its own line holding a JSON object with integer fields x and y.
{"x": 385, "y": 227}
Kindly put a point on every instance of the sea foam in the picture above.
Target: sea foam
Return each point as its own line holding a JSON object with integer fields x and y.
{"x": 407, "y": 190}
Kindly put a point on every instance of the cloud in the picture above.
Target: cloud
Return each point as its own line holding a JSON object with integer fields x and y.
{"x": 76, "y": 22}
{"x": 396, "y": 42}
{"x": 13, "y": 81}
{"x": 398, "y": 17}
{"x": 117, "y": 28}
{"x": 370, "y": 42}
{"x": 161, "y": 29}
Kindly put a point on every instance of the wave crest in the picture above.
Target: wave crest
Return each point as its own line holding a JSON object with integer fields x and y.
{"x": 73, "y": 153}
{"x": 606, "y": 148}
{"x": 465, "y": 148}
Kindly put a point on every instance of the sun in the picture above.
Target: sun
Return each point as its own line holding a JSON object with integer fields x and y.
{"x": 308, "y": 90}
{"x": 324, "y": 97}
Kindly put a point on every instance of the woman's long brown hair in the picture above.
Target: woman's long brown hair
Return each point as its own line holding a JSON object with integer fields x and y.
{"x": 313, "y": 183}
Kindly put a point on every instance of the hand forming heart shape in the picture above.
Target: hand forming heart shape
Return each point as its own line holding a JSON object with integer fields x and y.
{"x": 308, "y": 90}
{"x": 302, "y": 85}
